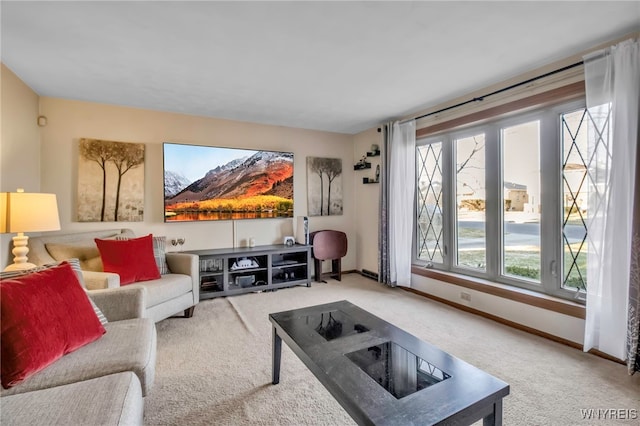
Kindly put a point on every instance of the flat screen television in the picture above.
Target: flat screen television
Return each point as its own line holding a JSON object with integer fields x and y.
{"x": 214, "y": 183}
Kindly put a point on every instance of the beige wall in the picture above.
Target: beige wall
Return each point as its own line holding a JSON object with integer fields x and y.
{"x": 556, "y": 324}
{"x": 20, "y": 135}
{"x": 68, "y": 121}
{"x": 367, "y": 202}
{"x": 19, "y": 143}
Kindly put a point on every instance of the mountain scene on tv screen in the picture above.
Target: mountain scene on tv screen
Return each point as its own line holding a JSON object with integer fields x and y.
{"x": 257, "y": 186}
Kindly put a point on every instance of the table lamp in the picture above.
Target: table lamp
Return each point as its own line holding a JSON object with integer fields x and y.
{"x": 22, "y": 212}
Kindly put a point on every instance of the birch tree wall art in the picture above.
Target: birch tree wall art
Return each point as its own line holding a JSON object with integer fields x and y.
{"x": 110, "y": 181}
{"x": 324, "y": 186}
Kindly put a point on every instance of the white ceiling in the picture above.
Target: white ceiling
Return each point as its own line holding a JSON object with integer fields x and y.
{"x": 336, "y": 66}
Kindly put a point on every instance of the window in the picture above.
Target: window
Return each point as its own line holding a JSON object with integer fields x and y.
{"x": 507, "y": 200}
{"x": 521, "y": 200}
{"x": 430, "y": 247}
{"x": 575, "y": 182}
{"x": 470, "y": 202}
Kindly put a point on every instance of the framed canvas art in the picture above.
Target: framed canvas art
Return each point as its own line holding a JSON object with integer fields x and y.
{"x": 110, "y": 181}
{"x": 324, "y": 186}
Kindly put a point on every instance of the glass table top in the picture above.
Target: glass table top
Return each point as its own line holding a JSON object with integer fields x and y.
{"x": 334, "y": 324}
{"x": 397, "y": 370}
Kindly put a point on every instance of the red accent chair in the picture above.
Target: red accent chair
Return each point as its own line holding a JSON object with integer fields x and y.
{"x": 328, "y": 245}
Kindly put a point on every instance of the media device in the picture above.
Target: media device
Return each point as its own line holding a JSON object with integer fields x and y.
{"x": 289, "y": 241}
{"x": 244, "y": 263}
{"x": 245, "y": 281}
{"x": 215, "y": 183}
{"x": 302, "y": 230}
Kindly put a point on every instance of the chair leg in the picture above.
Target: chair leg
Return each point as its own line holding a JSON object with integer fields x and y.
{"x": 318, "y": 268}
{"x": 336, "y": 269}
{"x": 188, "y": 313}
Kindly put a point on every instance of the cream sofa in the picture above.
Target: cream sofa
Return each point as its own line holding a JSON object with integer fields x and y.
{"x": 101, "y": 383}
{"x": 172, "y": 293}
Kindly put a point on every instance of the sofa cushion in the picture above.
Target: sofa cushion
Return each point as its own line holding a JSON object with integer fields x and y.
{"x": 73, "y": 262}
{"x": 75, "y": 265}
{"x": 115, "y": 399}
{"x": 45, "y": 315}
{"x": 160, "y": 254}
{"x": 132, "y": 259}
{"x": 87, "y": 254}
{"x": 128, "y": 345}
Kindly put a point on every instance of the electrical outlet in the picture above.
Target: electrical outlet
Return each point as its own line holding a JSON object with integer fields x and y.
{"x": 465, "y": 296}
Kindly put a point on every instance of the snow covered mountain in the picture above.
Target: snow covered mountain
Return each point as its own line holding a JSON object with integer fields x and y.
{"x": 174, "y": 183}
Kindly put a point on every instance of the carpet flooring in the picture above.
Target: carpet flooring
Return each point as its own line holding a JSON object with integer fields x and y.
{"x": 215, "y": 368}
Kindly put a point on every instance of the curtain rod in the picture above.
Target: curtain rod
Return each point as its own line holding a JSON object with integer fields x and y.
{"x": 481, "y": 98}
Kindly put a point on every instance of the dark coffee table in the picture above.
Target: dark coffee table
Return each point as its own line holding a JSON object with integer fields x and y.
{"x": 382, "y": 375}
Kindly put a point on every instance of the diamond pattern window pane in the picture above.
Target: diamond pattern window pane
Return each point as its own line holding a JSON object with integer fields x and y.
{"x": 575, "y": 198}
{"x": 429, "y": 203}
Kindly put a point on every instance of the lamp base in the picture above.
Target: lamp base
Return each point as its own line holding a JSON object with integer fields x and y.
{"x": 20, "y": 266}
{"x": 20, "y": 251}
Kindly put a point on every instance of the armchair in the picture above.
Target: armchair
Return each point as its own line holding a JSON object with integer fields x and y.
{"x": 102, "y": 382}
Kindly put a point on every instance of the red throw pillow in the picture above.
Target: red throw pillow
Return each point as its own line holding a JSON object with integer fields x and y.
{"x": 45, "y": 315}
{"x": 132, "y": 259}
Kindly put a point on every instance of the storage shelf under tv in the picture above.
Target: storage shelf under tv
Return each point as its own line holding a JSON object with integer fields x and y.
{"x": 268, "y": 268}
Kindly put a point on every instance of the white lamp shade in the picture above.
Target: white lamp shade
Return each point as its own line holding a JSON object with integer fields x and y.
{"x": 28, "y": 212}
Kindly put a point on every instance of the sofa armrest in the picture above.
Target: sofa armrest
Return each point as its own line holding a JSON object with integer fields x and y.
{"x": 120, "y": 303}
{"x": 183, "y": 263}
{"x": 187, "y": 264}
{"x": 100, "y": 280}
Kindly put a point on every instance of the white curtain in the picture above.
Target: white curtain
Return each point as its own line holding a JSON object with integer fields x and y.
{"x": 612, "y": 78}
{"x": 402, "y": 176}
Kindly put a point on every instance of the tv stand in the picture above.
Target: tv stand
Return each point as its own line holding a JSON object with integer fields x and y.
{"x": 231, "y": 271}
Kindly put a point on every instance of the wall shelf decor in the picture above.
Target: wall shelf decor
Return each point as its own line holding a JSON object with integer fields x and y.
{"x": 366, "y": 180}
{"x": 362, "y": 166}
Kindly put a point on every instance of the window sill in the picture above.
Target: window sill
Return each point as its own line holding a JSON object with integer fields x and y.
{"x": 527, "y": 297}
